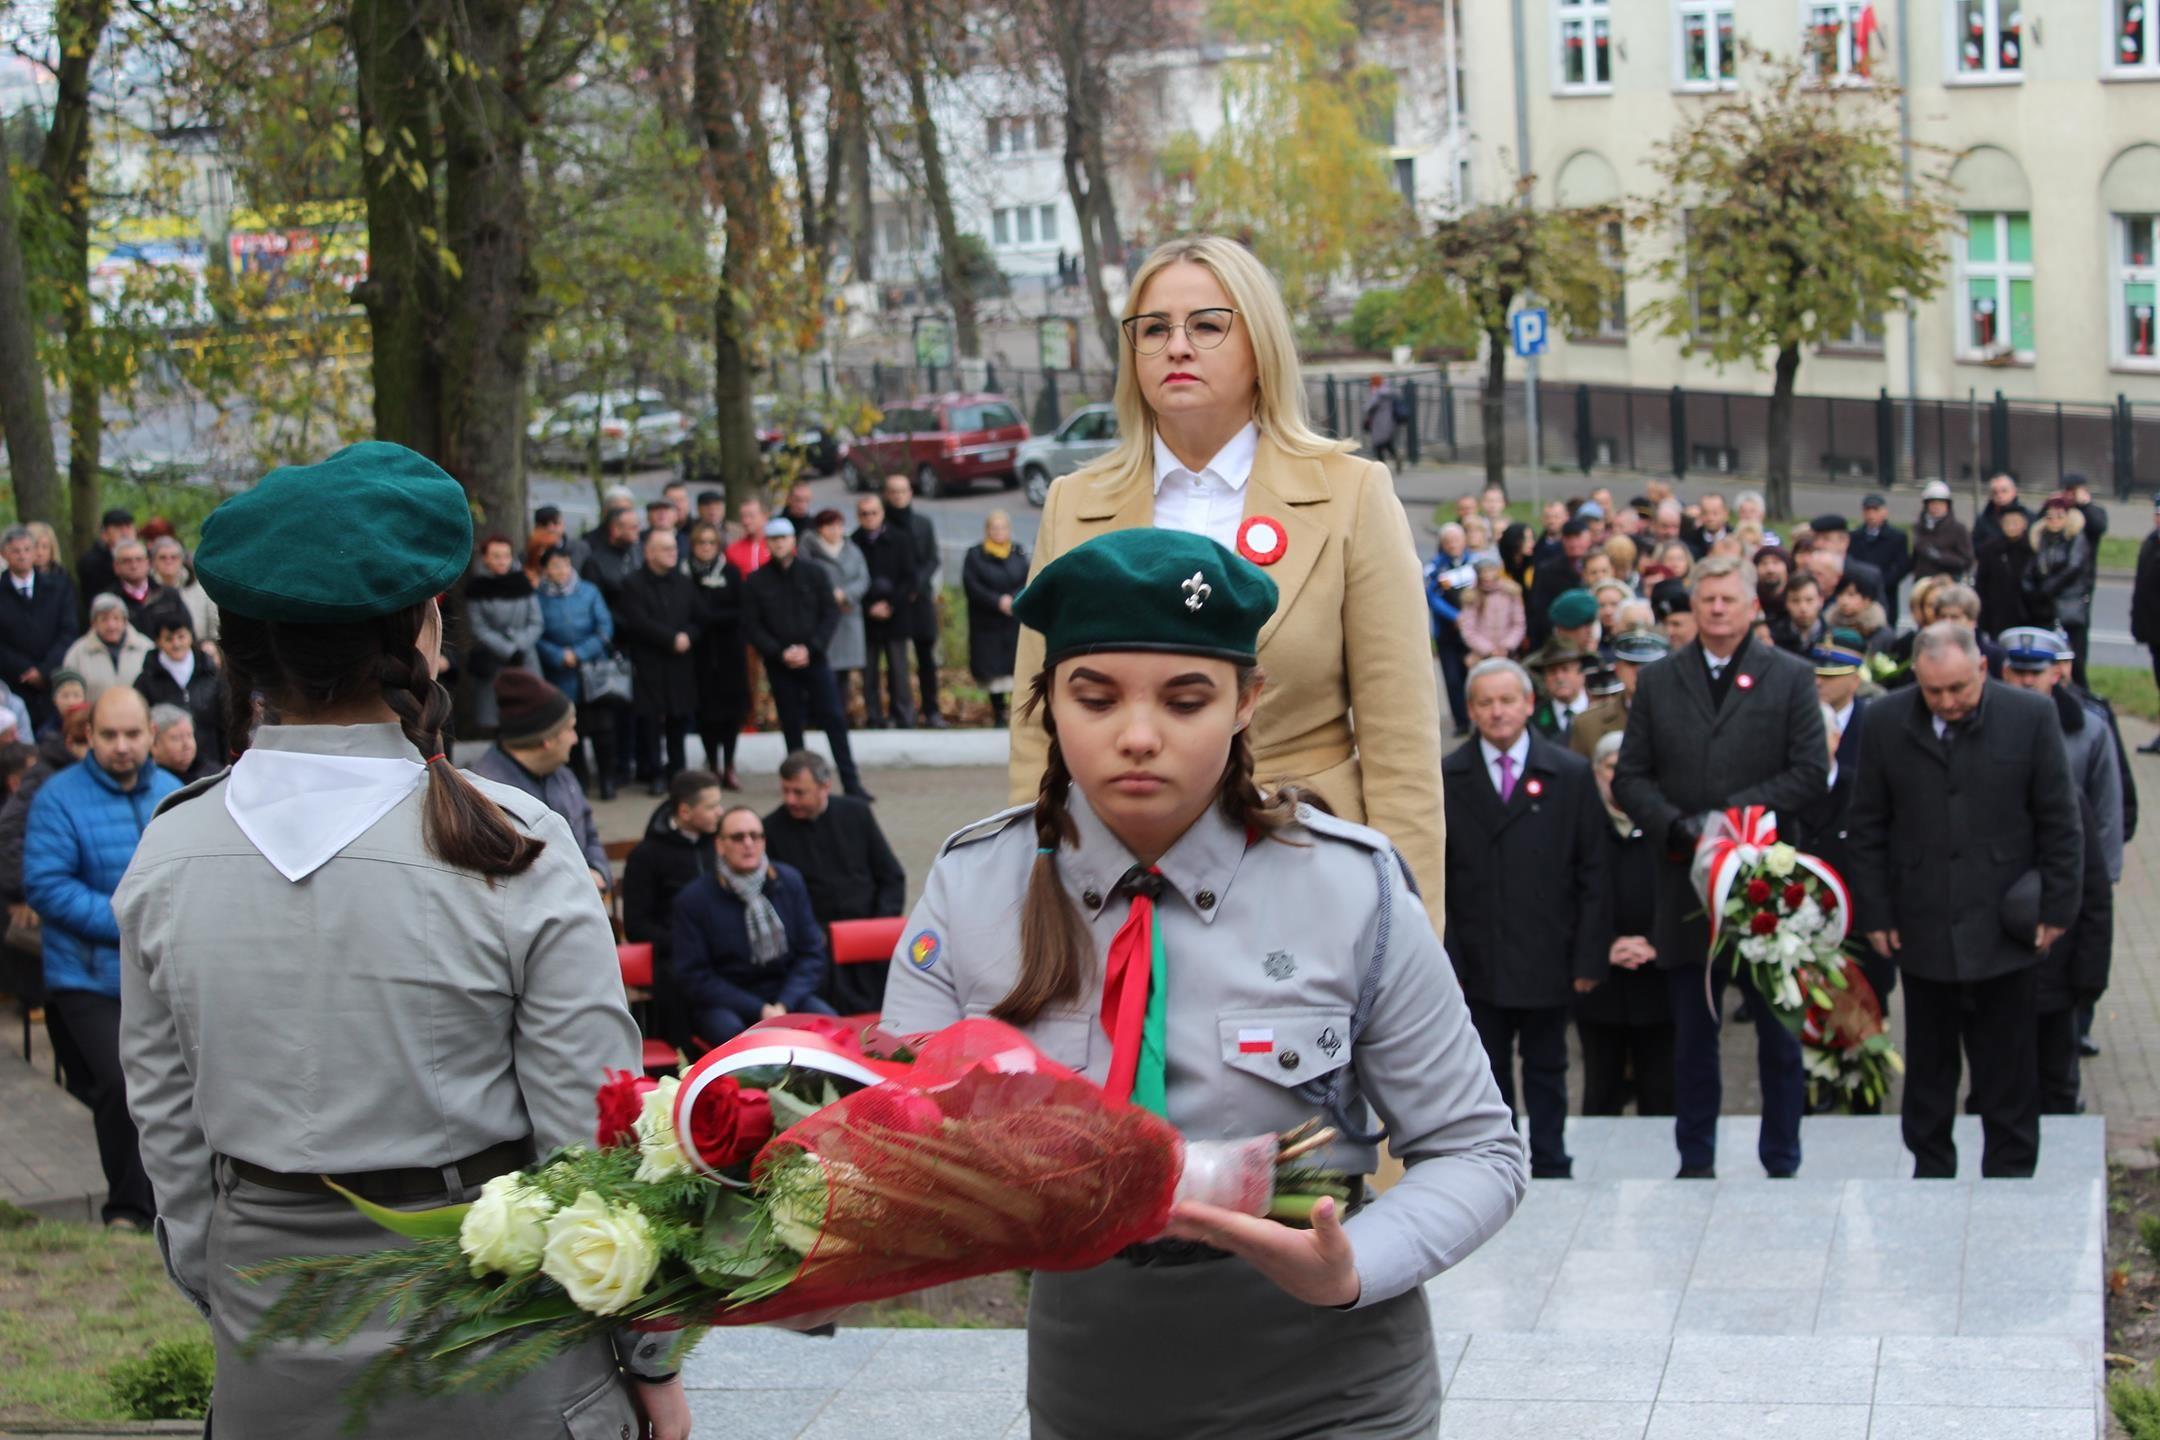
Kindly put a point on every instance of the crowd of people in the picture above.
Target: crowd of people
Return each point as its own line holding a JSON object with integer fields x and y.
{"x": 1626, "y": 670}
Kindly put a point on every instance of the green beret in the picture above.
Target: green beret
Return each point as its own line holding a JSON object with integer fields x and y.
{"x": 1149, "y": 589}
{"x": 1571, "y": 608}
{"x": 372, "y": 530}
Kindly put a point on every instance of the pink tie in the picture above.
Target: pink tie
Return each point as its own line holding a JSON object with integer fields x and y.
{"x": 1507, "y": 778}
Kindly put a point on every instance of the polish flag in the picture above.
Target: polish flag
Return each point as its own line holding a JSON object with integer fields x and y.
{"x": 1256, "y": 1042}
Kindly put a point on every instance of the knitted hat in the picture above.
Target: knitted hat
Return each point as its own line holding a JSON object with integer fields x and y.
{"x": 530, "y": 707}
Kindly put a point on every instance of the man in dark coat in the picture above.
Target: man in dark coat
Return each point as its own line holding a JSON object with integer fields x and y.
{"x": 659, "y": 628}
{"x": 678, "y": 848}
{"x": 888, "y": 605}
{"x": 2002, "y": 499}
{"x": 789, "y": 616}
{"x": 844, "y": 859}
{"x": 37, "y": 624}
{"x": 1527, "y": 905}
{"x": 532, "y": 752}
{"x": 1968, "y": 861}
{"x": 733, "y": 969}
{"x": 1555, "y": 575}
{"x": 2144, "y": 604}
{"x": 1833, "y": 538}
{"x": 1721, "y": 722}
{"x": 1883, "y": 545}
{"x": 614, "y": 557}
{"x": 2072, "y": 977}
{"x": 94, "y": 570}
{"x": 903, "y": 514}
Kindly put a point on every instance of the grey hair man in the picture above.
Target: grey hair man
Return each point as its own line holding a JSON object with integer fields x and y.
{"x": 847, "y": 865}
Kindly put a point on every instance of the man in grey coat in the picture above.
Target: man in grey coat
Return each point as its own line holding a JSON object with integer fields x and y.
{"x": 1720, "y": 722}
{"x": 1965, "y": 781}
{"x": 532, "y": 752}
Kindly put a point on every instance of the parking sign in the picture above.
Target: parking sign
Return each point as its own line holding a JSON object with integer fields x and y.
{"x": 1529, "y": 330}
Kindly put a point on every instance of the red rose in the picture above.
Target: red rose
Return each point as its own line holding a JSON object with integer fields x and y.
{"x": 619, "y": 1101}
{"x": 1795, "y": 893}
{"x": 1758, "y": 891}
{"x": 1826, "y": 900}
{"x": 1764, "y": 923}
{"x": 729, "y": 1124}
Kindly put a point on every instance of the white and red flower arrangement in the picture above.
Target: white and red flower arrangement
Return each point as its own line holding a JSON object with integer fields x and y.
{"x": 800, "y": 1167}
{"x": 1782, "y": 916}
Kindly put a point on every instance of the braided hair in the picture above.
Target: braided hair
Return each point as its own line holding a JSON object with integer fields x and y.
{"x": 317, "y": 667}
{"x": 1056, "y": 951}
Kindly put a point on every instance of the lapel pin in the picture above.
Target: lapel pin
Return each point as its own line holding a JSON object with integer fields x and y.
{"x": 1535, "y": 787}
{"x": 1196, "y": 591}
{"x": 1261, "y": 540}
{"x": 1745, "y": 682}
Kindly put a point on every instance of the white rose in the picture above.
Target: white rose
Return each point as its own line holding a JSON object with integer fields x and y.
{"x": 1808, "y": 918}
{"x": 604, "y": 1257}
{"x": 660, "y": 1151}
{"x": 505, "y": 1229}
{"x": 1780, "y": 859}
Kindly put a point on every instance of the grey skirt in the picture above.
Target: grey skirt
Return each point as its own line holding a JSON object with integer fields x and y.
{"x": 293, "y": 1391}
{"x": 1187, "y": 1352}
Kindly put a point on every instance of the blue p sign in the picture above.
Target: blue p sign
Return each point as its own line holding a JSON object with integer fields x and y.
{"x": 1529, "y": 328}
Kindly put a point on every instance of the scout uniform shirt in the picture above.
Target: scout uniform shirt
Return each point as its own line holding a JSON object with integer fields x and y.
{"x": 1267, "y": 945}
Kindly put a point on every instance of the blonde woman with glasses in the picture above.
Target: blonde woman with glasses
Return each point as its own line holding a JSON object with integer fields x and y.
{"x": 1214, "y": 440}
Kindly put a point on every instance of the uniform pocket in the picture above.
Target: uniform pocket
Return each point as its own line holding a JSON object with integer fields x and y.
{"x": 1286, "y": 1046}
{"x": 604, "y": 1414}
{"x": 1066, "y": 1036}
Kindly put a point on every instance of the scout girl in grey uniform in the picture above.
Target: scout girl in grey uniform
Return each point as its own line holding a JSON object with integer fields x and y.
{"x": 1263, "y": 963}
{"x": 343, "y": 958}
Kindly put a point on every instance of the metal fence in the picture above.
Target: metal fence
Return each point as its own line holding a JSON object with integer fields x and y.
{"x": 1873, "y": 442}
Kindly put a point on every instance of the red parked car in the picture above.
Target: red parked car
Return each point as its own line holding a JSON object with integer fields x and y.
{"x": 945, "y": 442}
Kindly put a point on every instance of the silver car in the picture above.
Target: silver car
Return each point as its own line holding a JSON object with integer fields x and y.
{"x": 1087, "y": 433}
{"x": 620, "y": 427}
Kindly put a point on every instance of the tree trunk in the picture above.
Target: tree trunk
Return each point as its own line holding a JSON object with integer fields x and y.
{"x": 78, "y": 26}
{"x": 852, "y": 136}
{"x": 1493, "y": 407}
{"x": 736, "y": 175}
{"x": 488, "y": 228}
{"x": 22, "y": 382}
{"x": 806, "y": 193}
{"x": 1777, "y": 494}
{"x": 1086, "y": 177}
{"x": 403, "y": 294}
{"x": 952, "y": 263}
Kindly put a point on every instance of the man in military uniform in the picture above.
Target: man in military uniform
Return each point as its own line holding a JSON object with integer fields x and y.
{"x": 1567, "y": 701}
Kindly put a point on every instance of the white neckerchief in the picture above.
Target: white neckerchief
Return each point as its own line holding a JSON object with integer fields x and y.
{"x": 1209, "y": 503}
{"x": 181, "y": 671}
{"x": 301, "y": 809}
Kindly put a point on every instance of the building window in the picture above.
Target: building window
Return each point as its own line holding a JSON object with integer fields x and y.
{"x": 1707, "y": 314}
{"x": 2137, "y": 289}
{"x": 1584, "y": 30}
{"x": 1406, "y": 179}
{"x": 1042, "y": 132}
{"x": 1995, "y": 286}
{"x": 1988, "y": 38}
{"x": 1046, "y": 223}
{"x": 1018, "y": 134}
{"x": 1704, "y": 32}
{"x": 1845, "y": 40}
{"x": 1001, "y": 227}
{"x": 1865, "y": 336}
{"x": 2134, "y": 39}
{"x": 1612, "y": 249}
{"x": 1022, "y": 224}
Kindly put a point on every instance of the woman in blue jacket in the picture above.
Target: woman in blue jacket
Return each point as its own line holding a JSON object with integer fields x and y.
{"x": 576, "y": 630}
{"x": 746, "y": 946}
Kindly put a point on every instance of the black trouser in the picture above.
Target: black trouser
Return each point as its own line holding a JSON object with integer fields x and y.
{"x": 596, "y": 721}
{"x": 1454, "y": 669}
{"x": 2057, "y": 1047}
{"x": 1541, "y": 1033}
{"x": 719, "y": 733}
{"x": 2079, "y": 646}
{"x": 1000, "y": 704}
{"x": 676, "y": 729}
{"x": 808, "y": 693}
{"x": 1699, "y": 1079}
{"x": 1619, "y": 1060}
{"x": 1993, "y": 1021}
{"x": 1384, "y": 451}
{"x": 886, "y": 651}
{"x": 93, "y": 1022}
{"x": 925, "y": 639}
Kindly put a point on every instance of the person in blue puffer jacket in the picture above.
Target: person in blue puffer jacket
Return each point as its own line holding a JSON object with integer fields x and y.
{"x": 744, "y": 943}
{"x": 576, "y": 629}
{"x": 84, "y": 826}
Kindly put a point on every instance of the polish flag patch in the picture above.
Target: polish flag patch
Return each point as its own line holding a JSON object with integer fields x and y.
{"x": 1256, "y": 1042}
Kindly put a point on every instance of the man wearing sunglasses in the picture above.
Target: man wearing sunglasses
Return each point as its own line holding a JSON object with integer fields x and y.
{"x": 746, "y": 946}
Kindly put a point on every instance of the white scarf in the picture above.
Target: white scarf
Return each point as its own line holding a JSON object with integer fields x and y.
{"x": 301, "y": 809}
{"x": 182, "y": 671}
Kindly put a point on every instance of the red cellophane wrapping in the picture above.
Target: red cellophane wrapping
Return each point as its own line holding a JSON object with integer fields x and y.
{"x": 986, "y": 1157}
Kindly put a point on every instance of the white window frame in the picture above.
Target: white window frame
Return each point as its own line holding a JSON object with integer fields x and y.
{"x": 1001, "y": 227}
{"x": 1586, "y": 14}
{"x": 1710, "y": 11}
{"x": 1849, "y": 13}
{"x": 1991, "y": 73}
{"x": 2111, "y": 61}
{"x": 2121, "y": 274}
{"x": 2002, "y": 270}
{"x": 1046, "y": 225}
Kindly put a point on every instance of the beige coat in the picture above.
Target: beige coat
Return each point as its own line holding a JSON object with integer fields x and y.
{"x": 1351, "y": 710}
{"x": 89, "y": 658}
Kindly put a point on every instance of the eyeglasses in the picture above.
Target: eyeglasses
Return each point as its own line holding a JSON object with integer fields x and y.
{"x": 1206, "y": 329}
{"x": 741, "y": 836}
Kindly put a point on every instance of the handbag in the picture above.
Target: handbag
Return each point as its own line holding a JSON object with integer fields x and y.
{"x": 607, "y": 678}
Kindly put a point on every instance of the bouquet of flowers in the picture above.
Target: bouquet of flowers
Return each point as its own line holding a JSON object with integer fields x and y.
{"x": 1782, "y": 916}
{"x": 802, "y": 1166}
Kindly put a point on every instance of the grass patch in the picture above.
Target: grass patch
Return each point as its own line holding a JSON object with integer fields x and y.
{"x": 2119, "y": 552}
{"x": 76, "y": 1303}
{"x": 2136, "y": 1404}
{"x": 2129, "y": 688}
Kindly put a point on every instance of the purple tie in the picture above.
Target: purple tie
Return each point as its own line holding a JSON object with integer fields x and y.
{"x": 1507, "y": 778}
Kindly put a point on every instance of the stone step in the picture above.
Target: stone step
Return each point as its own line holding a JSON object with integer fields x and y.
{"x": 1841, "y": 1147}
